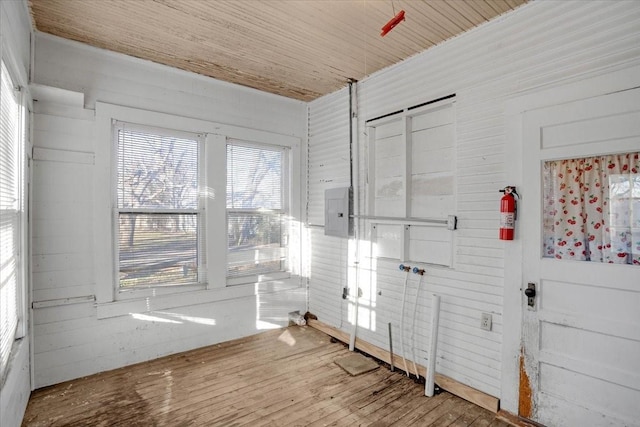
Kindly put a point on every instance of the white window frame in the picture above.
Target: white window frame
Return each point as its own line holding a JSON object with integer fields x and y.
{"x": 147, "y": 290}
{"x": 285, "y": 210}
{"x": 446, "y": 258}
{"x": 8, "y": 61}
{"x": 110, "y": 302}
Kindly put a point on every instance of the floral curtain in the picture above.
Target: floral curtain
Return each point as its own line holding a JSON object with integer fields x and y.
{"x": 592, "y": 209}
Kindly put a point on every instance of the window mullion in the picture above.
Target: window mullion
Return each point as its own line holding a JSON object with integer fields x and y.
{"x": 257, "y": 211}
{"x": 158, "y": 211}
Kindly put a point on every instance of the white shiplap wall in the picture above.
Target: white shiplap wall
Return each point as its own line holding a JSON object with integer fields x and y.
{"x": 15, "y": 387}
{"x": 329, "y": 167}
{"x": 70, "y": 340}
{"x": 543, "y": 44}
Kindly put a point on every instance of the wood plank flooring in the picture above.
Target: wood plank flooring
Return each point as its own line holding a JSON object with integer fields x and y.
{"x": 284, "y": 377}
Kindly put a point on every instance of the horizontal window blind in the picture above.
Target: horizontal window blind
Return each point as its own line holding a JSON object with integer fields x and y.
{"x": 256, "y": 216}
{"x": 10, "y": 209}
{"x": 160, "y": 224}
{"x": 254, "y": 177}
{"x": 156, "y": 171}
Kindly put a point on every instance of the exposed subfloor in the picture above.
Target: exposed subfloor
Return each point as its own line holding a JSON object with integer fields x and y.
{"x": 284, "y": 377}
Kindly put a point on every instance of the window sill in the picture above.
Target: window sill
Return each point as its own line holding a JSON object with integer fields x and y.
{"x": 258, "y": 278}
{"x": 157, "y": 291}
{"x": 170, "y": 301}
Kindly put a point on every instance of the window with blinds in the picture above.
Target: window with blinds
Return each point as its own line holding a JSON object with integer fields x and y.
{"x": 256, "y": 209}
{"x": 11, "y": 209}
{"x": 160, "y": 214}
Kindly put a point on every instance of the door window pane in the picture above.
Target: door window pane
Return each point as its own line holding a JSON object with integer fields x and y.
{"x": 592, "y": 209}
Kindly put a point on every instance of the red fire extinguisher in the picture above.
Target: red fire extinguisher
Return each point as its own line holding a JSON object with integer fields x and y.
{"x": 508, "y": 210}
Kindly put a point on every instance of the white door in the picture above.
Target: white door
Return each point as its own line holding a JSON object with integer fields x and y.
{"x": 580, "y": 363}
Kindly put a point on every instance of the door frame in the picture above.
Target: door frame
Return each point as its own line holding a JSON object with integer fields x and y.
{"x": 605, "y": 82}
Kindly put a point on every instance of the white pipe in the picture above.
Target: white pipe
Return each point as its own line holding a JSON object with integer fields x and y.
{"x": 355, "y": 184}
{"x": 404, "y": 297}
{"x": 413, "y": 325}
{"x": 354, "y": 326}
{"x": 429, "y": 385}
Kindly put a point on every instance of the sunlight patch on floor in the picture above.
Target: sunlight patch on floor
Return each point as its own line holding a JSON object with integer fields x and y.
{"x": 287, "y": 338}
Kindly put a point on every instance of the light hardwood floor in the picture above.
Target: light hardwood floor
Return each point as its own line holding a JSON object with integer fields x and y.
{"x": 284, "y": 377}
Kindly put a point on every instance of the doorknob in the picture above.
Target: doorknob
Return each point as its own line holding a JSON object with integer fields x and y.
{"x": 530, "y": 292}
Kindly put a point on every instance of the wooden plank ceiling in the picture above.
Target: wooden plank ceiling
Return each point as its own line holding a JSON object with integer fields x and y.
{"x": 300, "y": 49}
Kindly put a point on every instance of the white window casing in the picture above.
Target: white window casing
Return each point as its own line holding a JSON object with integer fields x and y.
{"x": 411, "y": 188}
{"x": 213, "y": 283}
{"x": 158, "y": 207}
{"x": 257, "y": 212}
{"x": 12, "y": 210}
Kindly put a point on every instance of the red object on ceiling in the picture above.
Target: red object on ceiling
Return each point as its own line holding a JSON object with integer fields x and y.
{"x": 392, "y": 23}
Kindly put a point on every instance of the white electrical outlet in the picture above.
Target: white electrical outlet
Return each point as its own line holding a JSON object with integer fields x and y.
{"x": 485, "y": 321}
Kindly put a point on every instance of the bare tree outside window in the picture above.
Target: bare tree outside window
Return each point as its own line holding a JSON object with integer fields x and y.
{"x": 255, "y": 209}
{"x": 159, "y": 219}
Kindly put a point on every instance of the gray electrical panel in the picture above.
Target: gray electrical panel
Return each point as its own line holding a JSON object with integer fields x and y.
{"x": 338, "y": 207}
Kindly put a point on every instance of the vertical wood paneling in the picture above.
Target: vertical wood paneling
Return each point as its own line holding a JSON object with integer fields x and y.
{"x": 544, "y": 43}
{"x": 432, "y": 168}
{"x": 388, "y": 174}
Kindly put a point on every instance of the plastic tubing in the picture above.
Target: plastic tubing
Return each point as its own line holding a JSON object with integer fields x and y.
{"x": 416, "y": 270}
